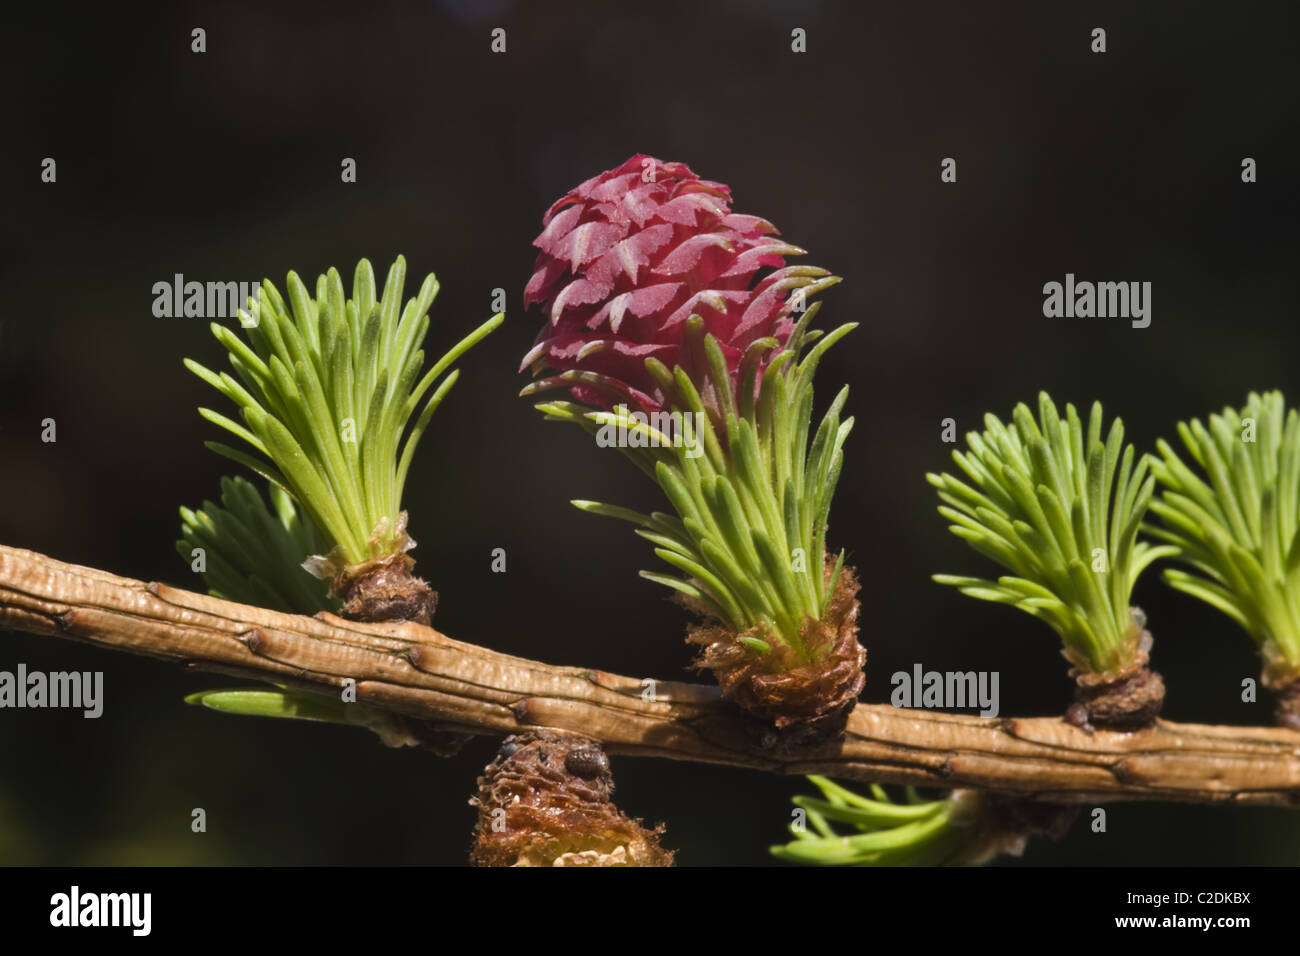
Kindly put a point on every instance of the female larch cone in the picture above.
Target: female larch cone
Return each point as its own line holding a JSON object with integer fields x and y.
{"x": 660, "y": 299}
{"x": 629, "y": 256}
{"x": 800, "y": 704}
{"x": 547, "y": 800}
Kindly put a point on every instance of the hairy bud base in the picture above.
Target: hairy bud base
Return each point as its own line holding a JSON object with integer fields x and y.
{"x": 547, "y": 800}
{"x": 805, "y": 704}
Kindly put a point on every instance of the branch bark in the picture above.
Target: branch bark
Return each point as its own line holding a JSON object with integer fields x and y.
{"x": 415, "y": 670}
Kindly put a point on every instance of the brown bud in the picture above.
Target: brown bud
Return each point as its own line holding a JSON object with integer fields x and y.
{"x": 1127, "y": 702}
{"x": 1125, "y": 699}
{"x": 800, "y": 705}
{"x": 1288, "y": 704}
{"x": 385, "y": 590}
{"x": 547, "y": 800}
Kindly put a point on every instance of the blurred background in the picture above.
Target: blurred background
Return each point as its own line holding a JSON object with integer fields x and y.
{"x": 225, "y": 166}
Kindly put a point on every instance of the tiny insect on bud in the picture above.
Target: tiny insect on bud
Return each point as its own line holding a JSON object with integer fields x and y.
{"x": 586, "y": 763}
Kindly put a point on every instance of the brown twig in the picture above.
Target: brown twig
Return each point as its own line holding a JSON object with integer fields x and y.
{"x": 417, "y": 671}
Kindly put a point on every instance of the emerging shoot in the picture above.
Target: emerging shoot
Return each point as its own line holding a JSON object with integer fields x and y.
{"x": 334, "y": 401}
{"x": 1059, "y": 507}
{"x": 1234, "y": 519}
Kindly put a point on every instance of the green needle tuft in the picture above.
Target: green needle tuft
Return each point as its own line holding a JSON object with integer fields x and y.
{"x": 751, "y": 492}
{"x": 333, "y": 400}
{"x": 1233, "y": 516}
{"x": 844, "y": 828}
{"x": 253, "y": 554}
{"x": 1058, "y": 507}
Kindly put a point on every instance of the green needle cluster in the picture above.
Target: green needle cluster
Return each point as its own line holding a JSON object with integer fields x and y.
{"x": 334, "y": 401}
{"x": 1058, "y": 507}
{"x": 748, "y": 540}
{"x": 1235, "y": 520}
{"x": 253, "y": 554}
{"x": 873, "y": 831}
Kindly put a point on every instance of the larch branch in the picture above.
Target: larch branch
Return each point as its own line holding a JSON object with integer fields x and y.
{"x": 415, "y": 670}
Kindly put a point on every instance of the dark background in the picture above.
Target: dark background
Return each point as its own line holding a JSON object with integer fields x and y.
{"x": 225, "y": 166}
